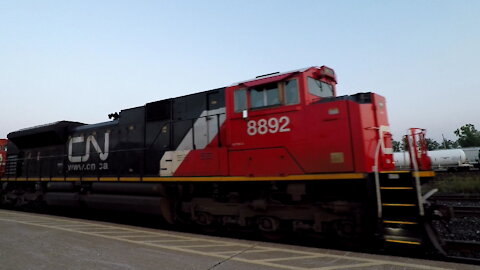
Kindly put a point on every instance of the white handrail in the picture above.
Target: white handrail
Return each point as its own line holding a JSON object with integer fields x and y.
{"x": 377, "y": 180}
{"x": 413, "y": 157}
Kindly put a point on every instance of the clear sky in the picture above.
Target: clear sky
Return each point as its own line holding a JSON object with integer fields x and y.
{"x": 81, "y": 60}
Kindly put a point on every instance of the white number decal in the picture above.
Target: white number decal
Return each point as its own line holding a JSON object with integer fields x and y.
{"x": 262, "y": 126}
{"x": 273, "y": 125}
{"x": 251, "y": 128}
{"x": 286, "y": 121}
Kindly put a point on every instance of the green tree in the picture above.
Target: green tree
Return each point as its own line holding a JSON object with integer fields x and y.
{"x": 396, "y": 146}
{"x": 399, "y": 146}
{"x": 432, "y": 144}
{"x": 449, "y": 144}
{"x": 468, "y": 136}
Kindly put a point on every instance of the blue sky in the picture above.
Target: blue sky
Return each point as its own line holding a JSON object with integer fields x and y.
{"x": 81, "y": 60}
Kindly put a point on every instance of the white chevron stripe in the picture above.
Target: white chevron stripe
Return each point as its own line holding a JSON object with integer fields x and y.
{"x": 205, "y": 130}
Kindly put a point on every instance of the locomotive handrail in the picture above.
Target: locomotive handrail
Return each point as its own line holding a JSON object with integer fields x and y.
{"x": 377, "y": 180}
{"x": 413, "y": 159}
{"x": 376, "y": 173}
{"x": 380, "y": 146}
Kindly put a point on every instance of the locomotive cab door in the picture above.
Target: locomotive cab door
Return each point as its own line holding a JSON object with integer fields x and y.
{"x": 261, "y": 127}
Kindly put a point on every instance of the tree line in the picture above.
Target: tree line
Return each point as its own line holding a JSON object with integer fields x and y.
{"x": 467, "y": 136}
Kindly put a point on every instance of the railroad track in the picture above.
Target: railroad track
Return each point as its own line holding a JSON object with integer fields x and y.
{"x": 463, "y": 250}
{"x": 465, "y": 210}
{"x": 472, "y": 172}
{"x": 457, "y": 197}
{"x": 461, "y": 204}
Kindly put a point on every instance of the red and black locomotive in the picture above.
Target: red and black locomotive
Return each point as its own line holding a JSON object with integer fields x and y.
{"x": 278, "y": 153}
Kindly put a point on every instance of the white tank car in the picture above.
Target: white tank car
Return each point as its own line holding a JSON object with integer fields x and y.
{"x": 441, "y": 159}
{"x": 472, "y": 154}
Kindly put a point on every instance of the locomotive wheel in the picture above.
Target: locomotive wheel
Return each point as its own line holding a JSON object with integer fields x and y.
{"x": 203, "y": 219}
{"x": 271, "y": 228}
{"x": 344, "y": 228}
{"x": 268, "y": 224}
{"x": 206, "y": 222}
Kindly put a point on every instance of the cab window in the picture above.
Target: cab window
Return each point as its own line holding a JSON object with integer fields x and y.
{"x": 291, "y": 92}
{"x": 240, "y": 98}
{"x": 264, "y": 96}
{"x": 319, "y": 88}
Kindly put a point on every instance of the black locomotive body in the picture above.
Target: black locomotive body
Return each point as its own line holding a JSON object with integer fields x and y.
{"x": 130, "y": 145}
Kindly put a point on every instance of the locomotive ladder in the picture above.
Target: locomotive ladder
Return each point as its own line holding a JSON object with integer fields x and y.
{"x": 401, "y": 207}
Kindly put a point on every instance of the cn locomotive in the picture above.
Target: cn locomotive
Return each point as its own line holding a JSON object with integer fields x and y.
{"x": 278, "y": 153}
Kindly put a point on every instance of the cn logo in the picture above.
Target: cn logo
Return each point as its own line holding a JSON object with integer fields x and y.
{"x": 90, "y": 141}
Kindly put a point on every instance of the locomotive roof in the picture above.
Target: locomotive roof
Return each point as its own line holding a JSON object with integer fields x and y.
{"x": 97, "y": 125}
{"x": 274, "y": 74}
{"x": 43, "y": 135}
{"x": 62, "y": 123}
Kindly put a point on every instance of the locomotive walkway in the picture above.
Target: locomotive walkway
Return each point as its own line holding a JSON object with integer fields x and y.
{"x": 37, "y": 241}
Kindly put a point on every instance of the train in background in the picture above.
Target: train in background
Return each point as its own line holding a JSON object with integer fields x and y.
{"x": 473, "y": 156}
{"x": 451, "y": 160}
{"x": 280, "y": 153}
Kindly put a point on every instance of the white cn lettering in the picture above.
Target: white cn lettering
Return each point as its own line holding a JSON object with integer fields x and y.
{"x": 90, "y": 141}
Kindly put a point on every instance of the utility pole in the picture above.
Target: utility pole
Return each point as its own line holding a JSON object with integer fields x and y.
{"x": 444, "y": 142}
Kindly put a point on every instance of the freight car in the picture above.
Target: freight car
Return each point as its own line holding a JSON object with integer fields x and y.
{"x": 473, "y": 156}
{"x": 280, "y": 153}
{"x": 441, "y": 160}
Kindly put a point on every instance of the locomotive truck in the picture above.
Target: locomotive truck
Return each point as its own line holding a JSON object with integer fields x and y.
{"x": 280, "y": 153}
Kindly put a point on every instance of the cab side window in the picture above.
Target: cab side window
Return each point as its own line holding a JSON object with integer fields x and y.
{"x": 257, "y": 98}
{"x": 240, "y": 100}
{"x": 265, "y": 96}
{"x": 291, "y": 92}
{"x": 269, "y": 95}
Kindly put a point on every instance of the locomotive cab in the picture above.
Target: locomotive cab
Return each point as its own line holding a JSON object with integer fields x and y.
{"x": 272, "y": 93}
{"x": 297, "y": 125}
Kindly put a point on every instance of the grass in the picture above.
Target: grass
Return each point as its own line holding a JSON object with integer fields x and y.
{"x": 453, "y": 183}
